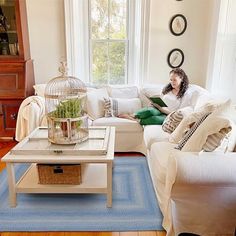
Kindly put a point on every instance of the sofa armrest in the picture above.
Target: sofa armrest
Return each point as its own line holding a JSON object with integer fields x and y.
{"x": 31, "y": 114}
{"x": 205, "y": 169}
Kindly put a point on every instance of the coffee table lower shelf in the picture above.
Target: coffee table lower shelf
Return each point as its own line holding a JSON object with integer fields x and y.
{"x": 94, "y": 180}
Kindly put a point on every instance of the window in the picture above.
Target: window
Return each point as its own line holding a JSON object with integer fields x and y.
{"x": 106, "y": 40}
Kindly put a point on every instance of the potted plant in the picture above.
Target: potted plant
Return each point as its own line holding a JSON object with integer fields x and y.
{"x": 68, "y": 108}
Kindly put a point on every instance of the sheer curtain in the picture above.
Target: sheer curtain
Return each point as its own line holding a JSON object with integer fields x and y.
{"x": 223, "y": 79}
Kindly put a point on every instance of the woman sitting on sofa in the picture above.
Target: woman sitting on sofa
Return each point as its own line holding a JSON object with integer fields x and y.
{"x": 175, "y": 94}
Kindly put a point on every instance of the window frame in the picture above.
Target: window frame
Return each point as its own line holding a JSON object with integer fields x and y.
{"x": 77, "y": 40}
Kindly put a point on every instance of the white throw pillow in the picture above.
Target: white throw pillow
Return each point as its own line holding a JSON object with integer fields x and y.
{"x": 188, "y": 121}
{"x": 213, "y": 130}
{"x": 191, "y": 132}
{"x": 184, "y": 126}
{"x": 95, "y": 104}
{"x": 215, "y": 140}
{"x": 211, "y": 125}
{"x": 117, "y": 106}
{"x": 39, "y": 89}
{"x": 123, "y": 91}
{"x": 228, "y": 111}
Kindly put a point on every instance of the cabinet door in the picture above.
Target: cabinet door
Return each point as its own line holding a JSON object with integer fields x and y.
{"x": 1, "y": 119}
{"x": 12, "y": 80}
{"x": 9, "y": 43}
{"x": 14, "y": 39}
{"x": 8, "y": 117}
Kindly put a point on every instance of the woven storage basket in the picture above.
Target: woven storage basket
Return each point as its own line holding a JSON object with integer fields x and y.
{"x": 59, "y": 174}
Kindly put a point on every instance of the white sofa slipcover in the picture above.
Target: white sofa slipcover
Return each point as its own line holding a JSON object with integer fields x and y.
{"x": 129, "y": 134}
{"x": 196, "y": 193}
{"x": 204, "y": 194}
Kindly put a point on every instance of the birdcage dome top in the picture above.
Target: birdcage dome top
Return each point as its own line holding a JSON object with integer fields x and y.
{"x": 64, "y": 85}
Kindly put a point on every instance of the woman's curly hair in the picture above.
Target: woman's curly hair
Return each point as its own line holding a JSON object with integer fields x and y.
{"x": 183, "y": 86}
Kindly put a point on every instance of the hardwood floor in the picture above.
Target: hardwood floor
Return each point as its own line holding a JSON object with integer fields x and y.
{"x": 140, "y": 233}
{"x": 5, "y": 147}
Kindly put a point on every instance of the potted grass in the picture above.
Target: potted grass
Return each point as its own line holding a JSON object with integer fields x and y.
{"x": 68, "y": 109}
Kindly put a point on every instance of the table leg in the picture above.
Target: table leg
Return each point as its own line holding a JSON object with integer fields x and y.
{"x": 11, "y": 184}
{"x": 109, "y": 184}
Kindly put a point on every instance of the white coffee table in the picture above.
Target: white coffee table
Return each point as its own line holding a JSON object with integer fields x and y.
{"x": 95, "y": 155}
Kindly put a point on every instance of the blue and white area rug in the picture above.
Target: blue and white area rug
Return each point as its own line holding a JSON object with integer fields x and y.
{"x": 134, "y": 205}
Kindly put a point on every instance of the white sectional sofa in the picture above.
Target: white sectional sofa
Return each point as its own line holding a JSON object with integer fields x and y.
{"x": 196, "y": 191}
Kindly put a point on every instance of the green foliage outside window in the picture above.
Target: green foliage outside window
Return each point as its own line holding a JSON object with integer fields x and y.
{"x": 108, "y": 21}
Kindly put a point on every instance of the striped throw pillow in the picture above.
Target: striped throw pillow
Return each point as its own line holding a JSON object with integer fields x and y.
{"x": 214, "y": 140}
{"x": 113, "y": 107}
{"x": 187, "y": 136}
{"x": 172, "y": 121}
{"x": 108, "y": 107}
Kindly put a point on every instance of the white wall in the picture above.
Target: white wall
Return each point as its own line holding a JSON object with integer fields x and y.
{"x": 194, "y": 42}
{"x": 47, "y": 37}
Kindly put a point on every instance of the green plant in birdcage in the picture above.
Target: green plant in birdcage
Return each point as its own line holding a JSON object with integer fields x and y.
{"x": 68, "y": 108}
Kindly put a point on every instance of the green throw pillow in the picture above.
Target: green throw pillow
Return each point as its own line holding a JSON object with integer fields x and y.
{"x": 153, "y": 120}
{"x": 147, "y": 112}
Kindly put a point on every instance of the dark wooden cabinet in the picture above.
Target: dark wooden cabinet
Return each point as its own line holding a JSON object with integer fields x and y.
{"x": 16, "y": 66}
{"x": 8, "y": 116}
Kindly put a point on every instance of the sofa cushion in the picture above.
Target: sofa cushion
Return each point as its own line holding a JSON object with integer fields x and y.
{"x": 199, "y": 96}
{"x": 188, "y": 121}
{"x": 152, "y": 89}
{"x": 184, "y": 126}
{"x": 212, "y": 126}
{"x": 124, "y": 91}
{"x": 118, "y": 106}
{"x": 183, "y": 142}
{"x": 122, "y": 125}
{"x": 218, "y": 122}
{"x": 95, "y": 103}
{"x": 172, "y": 121}
{"x": 108, "y": 107}
{"x": 154, "y": 133}
{"x": 214, "y": 140}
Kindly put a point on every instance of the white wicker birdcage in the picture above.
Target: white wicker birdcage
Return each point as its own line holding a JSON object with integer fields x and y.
{"x": 65, "y": 100}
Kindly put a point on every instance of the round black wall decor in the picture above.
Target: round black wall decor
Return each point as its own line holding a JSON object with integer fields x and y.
{"x": 178, "y": 24}
{"x": 175, "y": 58}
